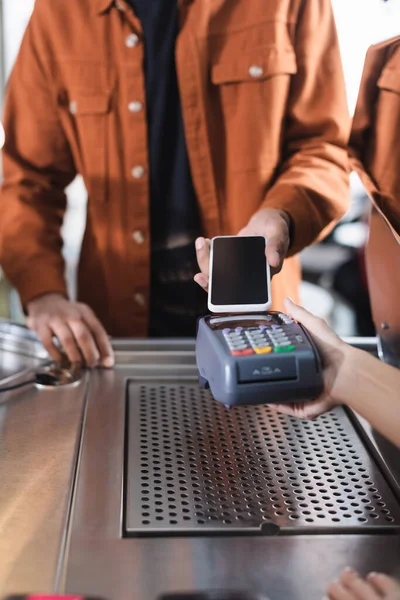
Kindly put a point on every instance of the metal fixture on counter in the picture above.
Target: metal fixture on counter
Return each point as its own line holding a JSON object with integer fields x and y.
{"x": 54, "y": 376}
{"x": 21, "y": 348}
{"x": 49, "y": 377}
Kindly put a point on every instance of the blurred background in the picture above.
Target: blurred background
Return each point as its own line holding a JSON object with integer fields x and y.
{"x": 334, "y": 283}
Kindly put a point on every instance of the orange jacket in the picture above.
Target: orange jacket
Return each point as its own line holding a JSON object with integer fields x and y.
{"x": 266, "y": 123}
{"x": 374, "y": 141}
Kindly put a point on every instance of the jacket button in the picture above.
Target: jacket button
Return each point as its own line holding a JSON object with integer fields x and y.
{"x": 138, "y": 172}
{"x": 132, "y": 40}
{"x": 140, "y": 299}
{"x": 135, "y": 107}
{"x": 138, "y": 237}
{"x": 256, "y": 71}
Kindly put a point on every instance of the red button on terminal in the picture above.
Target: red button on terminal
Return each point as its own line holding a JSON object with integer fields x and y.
{"x": 246, "y": 352}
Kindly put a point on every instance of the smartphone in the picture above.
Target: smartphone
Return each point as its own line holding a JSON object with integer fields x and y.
{"x": 239, "y": 275}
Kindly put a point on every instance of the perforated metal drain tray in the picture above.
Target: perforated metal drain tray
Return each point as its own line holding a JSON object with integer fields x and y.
{"x": 195, "y": 467}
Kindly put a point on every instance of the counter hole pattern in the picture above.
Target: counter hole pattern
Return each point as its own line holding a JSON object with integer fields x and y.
{"x": 202, "y": 465}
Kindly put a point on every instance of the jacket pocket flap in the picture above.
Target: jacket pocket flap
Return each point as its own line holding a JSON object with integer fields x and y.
{"x": 92, "y": 104}
{"x": 255, "y": 66}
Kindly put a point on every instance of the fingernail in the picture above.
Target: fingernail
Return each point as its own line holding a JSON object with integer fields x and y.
{"x": 108, "y": 362}
{"x": 348, "y": 570}
{"x": 199, "y": 243}
{"x": 274, "y": 260}
{"x": 373, "y": 574}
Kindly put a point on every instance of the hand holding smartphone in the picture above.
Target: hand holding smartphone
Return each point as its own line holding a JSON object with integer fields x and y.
{"x": 239, "y": 275}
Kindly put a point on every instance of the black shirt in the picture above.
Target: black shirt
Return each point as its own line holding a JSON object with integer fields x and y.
{"x": 176, "y": 301}
{"x": 174, "y": 210}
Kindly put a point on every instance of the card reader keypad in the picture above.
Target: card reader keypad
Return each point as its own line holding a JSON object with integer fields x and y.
{"x": 262, "y": 339}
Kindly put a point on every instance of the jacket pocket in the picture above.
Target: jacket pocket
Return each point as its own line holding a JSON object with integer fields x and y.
{"x": 87, "y": 115}
{"x": 259, "y": 65}
{"x": 91, "y": 104}
{"x": 251, "y": 93}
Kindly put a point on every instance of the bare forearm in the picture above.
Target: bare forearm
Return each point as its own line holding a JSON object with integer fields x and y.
{"x": 372, "y": 389}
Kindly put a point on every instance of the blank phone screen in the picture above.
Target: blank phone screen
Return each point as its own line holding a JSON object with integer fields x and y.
{"x": 239, "y": 271}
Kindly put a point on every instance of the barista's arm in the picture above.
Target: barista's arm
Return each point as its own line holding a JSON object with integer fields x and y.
{"x": 37, "y": 166}
{"x": 312, "y": 183}
{"x": 352, "y": 377}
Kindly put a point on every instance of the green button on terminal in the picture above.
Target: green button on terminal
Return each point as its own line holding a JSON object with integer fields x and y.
{"x": 285, "y": 349}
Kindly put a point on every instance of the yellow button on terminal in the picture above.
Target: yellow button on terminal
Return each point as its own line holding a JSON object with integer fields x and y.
{"x": 265, "y": 350}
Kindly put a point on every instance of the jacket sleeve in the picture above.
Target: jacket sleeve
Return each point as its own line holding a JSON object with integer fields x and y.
{"x": 312, "y": 184}
{"x": 37, "y": 166}
{"x": 368, "y": 132}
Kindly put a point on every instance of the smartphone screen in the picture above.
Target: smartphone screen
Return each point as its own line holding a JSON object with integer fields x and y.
{"x": 239, "y": 271}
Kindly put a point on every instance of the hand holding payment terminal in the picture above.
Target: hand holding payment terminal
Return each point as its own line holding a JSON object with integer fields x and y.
{"x": 256, "y": 357}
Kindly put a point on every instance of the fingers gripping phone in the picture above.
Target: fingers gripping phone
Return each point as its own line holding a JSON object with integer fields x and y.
{"x": 239, "y": 275}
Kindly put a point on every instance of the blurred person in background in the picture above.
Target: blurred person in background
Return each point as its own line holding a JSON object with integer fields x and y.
{"x": 375, "y": 156}
{"x": 185, "y": 119}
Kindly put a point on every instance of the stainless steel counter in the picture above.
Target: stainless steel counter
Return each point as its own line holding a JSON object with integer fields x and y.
{"x": 39, "y": 438}
{"x": 64, "y": 496}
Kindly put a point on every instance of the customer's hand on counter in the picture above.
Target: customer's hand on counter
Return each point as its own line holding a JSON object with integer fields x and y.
{"x": 79, "y": 332}
{"x": 268, "y": 222}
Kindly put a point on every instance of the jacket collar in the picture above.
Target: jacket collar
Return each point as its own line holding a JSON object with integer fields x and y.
{"x": 101, "y": 6}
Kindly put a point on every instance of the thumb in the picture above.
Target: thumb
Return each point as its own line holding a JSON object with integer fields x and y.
{"x": 300, "y": 314}
{"x": 245, "y": 232}
{"x": 315, "y": 325}
{"x": 295, "y": 311}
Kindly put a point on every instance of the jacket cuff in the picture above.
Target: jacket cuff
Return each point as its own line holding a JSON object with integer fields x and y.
{"x": 305, "y": 225}
{"x": 34, "y": 283}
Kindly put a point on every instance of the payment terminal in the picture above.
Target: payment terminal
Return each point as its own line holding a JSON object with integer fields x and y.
{"x": 257, "y": 359}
